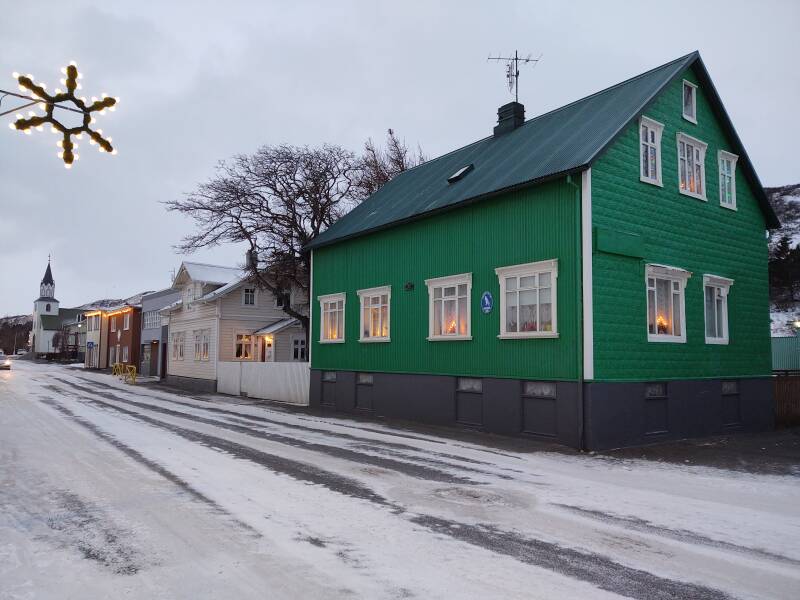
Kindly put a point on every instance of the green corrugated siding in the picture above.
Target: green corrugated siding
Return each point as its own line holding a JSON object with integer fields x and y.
{"x": 684, "y": 232}
{"x": 535, "y": 224}
{"x": 786, "y": 353}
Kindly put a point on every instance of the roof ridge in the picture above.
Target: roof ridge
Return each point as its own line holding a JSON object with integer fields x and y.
{"x": 191, "y": 262}
{"x": 562, "y": 107}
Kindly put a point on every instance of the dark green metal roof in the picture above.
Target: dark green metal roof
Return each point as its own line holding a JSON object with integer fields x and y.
{"x": 56, "y": 322}
{"x": 562, "y": 141}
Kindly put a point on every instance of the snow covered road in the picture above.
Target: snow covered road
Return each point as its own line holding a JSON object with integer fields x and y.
{"x": 114, "y": 491}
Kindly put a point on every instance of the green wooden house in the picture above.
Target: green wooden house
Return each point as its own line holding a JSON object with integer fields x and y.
{"x": 596, "y": 276}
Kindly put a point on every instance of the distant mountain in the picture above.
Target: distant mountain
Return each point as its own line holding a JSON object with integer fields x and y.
{"x": 785, "y": 202}
{"x": 784, "y": 259}
{"x": 107, "y": 303}
{"x": 16, "y": 320}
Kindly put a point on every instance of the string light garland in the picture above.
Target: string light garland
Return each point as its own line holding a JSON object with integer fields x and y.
{"x": 49, "y": 102}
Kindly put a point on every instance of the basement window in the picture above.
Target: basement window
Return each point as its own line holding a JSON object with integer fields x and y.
{"x": 470, "y": 384}
{"x": 666, "y": 311}
{"x": 460, "y": 173}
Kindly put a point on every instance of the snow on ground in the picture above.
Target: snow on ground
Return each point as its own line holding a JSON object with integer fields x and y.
{"x": 782, "y": 320}
{"x": 110, "y": 490}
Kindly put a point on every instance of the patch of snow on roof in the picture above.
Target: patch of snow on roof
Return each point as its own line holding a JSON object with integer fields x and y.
{"x": 212, "y": 273}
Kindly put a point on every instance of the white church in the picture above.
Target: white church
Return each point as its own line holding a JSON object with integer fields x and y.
{"x": 48, "y": 318}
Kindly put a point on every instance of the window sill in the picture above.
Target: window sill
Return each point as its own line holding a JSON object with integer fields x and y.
{"x": 729, "y": 206}
{"x": 717, "y": 341}
{"x": 668, "y": 339}
{"x": 690, "y": 119}
{"x": 332, "y": 341}
{"x": 374, "y": 340}
{"x": 449, "y": 338}
{"x": 528, "y": 335}
{"x": 692, "y": 195}
{"x": 651, "y": 181}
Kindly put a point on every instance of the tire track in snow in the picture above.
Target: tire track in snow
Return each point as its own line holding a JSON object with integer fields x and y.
{"x": 295, "y": 469}
{"x": 410, "y": 469}
{"x": 582, "y": 565}
{"x": 681, "y": 535}
{"x": 163, "y": 396}
{"x": 142, "y": 460}
{"x": 593, "y": 568}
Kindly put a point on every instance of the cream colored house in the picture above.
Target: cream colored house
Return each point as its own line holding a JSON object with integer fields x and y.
{"x": 223, "y": 321}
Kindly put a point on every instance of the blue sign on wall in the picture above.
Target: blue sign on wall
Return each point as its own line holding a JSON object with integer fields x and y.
{"x": 487, "y": 302}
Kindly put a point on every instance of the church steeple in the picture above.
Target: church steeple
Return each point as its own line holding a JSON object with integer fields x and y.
{"x": 47, "y": 288}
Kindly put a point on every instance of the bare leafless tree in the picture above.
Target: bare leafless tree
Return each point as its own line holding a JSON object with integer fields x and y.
{"x": 275, "y": 201}
{"x": 278, "y": 199}
{"x": 378, "y": 166}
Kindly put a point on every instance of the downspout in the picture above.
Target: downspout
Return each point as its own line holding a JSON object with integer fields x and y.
{"x": 579, "y": 277}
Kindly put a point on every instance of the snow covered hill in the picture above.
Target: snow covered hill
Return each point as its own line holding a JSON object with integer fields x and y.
{"x": 785, "y": 302}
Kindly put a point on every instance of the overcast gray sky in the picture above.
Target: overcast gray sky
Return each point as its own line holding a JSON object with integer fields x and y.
{"x": 200, "y": 81}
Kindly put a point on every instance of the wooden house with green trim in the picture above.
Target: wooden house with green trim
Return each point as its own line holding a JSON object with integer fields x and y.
{"x": 596, "y": 276}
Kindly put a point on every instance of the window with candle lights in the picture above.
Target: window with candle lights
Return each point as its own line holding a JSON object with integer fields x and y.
{"x": 691, "y": 166}
{"x": 449, "y": 307}
{"x": 528, "y": 299}
{"x": 375, "y": 314}
{"x": 715, "y": 296}
{"x": 665, "y": 303}
{"x": 332, "y": 318}
{"x": 243, "y": 346}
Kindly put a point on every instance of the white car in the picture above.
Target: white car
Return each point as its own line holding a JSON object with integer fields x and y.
{"x": 5, "y": 362}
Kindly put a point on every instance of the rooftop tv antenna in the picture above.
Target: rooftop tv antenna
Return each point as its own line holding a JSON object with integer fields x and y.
{"x": 512, "y": 69}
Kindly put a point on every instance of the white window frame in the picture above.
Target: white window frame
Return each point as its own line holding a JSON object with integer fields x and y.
{"x": 690, "y": 118}
{"x": 702, "y": 147}
{"x": 253, "y": 346}
{"x": 255, "y": 296}
{"x": 671, "y": 274}
{"x": 722, "y": 156}
{"x": 197, "y": 343}
{"x": 368, "y": 294}
{"x": 113, "y": 324}
{"x": 658, "y": 129}
{"x": 126, "y": 321}
{"x": 301, "y": 338}
{"x": 526, "y": 270}
{"x": 329, "y": 299}
{"x": 125, "y": 355}
{"x": 449, "y": 281}
{"x": 205, "y": 344}
{"x": 181, "y": 345}
{"x": 723, "y": 284}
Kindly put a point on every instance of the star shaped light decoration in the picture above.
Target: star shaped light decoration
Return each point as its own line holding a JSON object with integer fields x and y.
{"x": 48, "y": 103}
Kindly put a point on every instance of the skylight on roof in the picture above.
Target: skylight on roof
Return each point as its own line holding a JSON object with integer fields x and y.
{"x": 460, "y": 173}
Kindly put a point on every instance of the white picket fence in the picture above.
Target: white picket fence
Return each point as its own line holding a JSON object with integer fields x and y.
{"x": 282, "y": 381}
